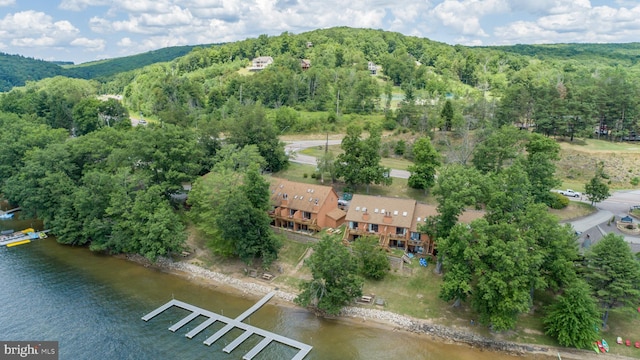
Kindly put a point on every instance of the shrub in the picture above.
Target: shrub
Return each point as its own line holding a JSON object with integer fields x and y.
{"x": 305, "y": 175}
{"x": 389, "y": 124}
{"x": 557, "y": 201}
{"x": 635, "y": 181}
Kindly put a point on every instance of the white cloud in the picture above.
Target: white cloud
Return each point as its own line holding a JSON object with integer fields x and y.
{"x": 463, "y": 16}
{"x": 575, "y": 21}
{"x": 7, "y": 2}
{"x": 79, "y": 5}
{"x": 145, "y": 6}
{"x": 126, "y": 42}
{"x": 89, "y": 44}
{"x": 31, "y": 28}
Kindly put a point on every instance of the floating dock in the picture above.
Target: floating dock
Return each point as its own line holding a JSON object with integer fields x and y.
{"x": 21, "y": 237}
{"x": 249, "y": 330}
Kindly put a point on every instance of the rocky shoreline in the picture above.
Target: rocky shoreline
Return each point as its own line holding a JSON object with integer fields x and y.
{"x": 383, "y": 317}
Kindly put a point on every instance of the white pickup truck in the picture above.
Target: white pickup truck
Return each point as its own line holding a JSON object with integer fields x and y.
{"x": 569, "y": 193}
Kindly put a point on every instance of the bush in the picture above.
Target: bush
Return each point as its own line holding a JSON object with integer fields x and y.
{"x": 305, "y": 175}
{"x": 635, "y": 181}
{"x": 557, "y": 201}
{"x": 389, "y": 124}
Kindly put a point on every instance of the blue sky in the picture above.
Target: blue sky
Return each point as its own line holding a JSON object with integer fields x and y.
{"x": 86, "y": 30}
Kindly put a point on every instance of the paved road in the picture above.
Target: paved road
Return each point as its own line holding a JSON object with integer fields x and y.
{"x": 294, "y": 147}
{"x": 594, "y": 226}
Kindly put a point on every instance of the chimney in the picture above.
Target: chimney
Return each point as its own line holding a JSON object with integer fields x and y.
{"x": 365, "y": 216}
{"x": 387, "y": 218}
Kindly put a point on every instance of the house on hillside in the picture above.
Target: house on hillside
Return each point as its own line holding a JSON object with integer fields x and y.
{"x": 373, "y": 68}
{"x": 304, "y": 207}
{"x": 260, "y": 63}
{"x": 305, "y": 64}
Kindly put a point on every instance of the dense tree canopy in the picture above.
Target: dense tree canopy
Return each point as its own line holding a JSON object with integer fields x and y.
{"x": 359, "y": 164}
{"x": 334, "y": 281}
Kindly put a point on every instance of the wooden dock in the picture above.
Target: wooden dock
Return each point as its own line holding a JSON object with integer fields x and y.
{"x": 249, "y": 330}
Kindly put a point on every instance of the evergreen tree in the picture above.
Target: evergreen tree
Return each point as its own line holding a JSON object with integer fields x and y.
{"x": 573, "y": 316}
{"x": 613, "y": 273}
{"x": 596, "y": 189}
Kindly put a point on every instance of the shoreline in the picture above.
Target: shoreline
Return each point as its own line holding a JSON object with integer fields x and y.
{"x": 353, "y": 314}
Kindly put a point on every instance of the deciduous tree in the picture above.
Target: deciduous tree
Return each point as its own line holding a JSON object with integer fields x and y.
{"x": 334, "y": 282}
{"x": 372, "y": 259}
{"x": 425, "y": 161}
{"x": 359, "y": 164}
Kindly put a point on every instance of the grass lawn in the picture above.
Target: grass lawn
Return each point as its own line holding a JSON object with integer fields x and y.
{"x": 574, "y": 210}
{"x": 292, "y": 251}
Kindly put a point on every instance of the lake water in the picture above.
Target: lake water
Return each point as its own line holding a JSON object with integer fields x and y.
{"x": 92, "y": 305}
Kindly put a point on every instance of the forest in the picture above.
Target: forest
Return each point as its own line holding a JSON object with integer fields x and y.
{"x": 16, "y": 70}
{"x": 484, "y": 120}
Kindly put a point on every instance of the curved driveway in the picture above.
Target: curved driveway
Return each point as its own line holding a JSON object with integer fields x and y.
{"x": 293, "y": 147}
{"x": 594, "y": 226}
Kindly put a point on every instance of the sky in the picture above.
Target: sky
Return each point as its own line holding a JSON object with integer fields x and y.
{"x": 87, "y": 30}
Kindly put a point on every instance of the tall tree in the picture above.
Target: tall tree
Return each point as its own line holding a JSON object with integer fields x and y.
{"x": 613, "y": 273}
{"x": 425, "y": 161}
{"x": 447, "y": 115}
{"x": 503, "y": 276}
{"x": 572, "y": 317}
{"x": 457, "y": 187}
{"x": 596, "y": 189}
{"x": 542, "y": 153}
{"x": 359, "y": 164}
{"x": 458, "y": 259}
{"x": 251, "y": 127}
{"x": 230, "y": 206}
{"x": 334, "y": 282}
{"x": 499, "y": 149}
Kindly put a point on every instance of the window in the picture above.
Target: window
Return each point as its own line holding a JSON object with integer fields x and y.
{"x": 401, "y": 231}
{"x": 292, "y": 212}
{"x": 353, "y": 225}
{"x": 373, "y": 228}
{"x": 415, "y": 236}
{"x": 306, "y": 215}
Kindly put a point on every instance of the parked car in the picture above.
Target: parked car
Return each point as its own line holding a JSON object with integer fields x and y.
{"x": 569, "y": 193}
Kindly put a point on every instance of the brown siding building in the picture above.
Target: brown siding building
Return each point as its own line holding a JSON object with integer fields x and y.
{"x": 304, "y": 207}
{"x": 395, "y": 222}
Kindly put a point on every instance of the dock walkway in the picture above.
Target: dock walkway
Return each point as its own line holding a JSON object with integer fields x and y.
{"x": 249, "y": 330}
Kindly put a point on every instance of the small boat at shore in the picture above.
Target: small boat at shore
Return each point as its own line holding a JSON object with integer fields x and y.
{"x": 605, "y": 345}
{"x": 6, "y": 216}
